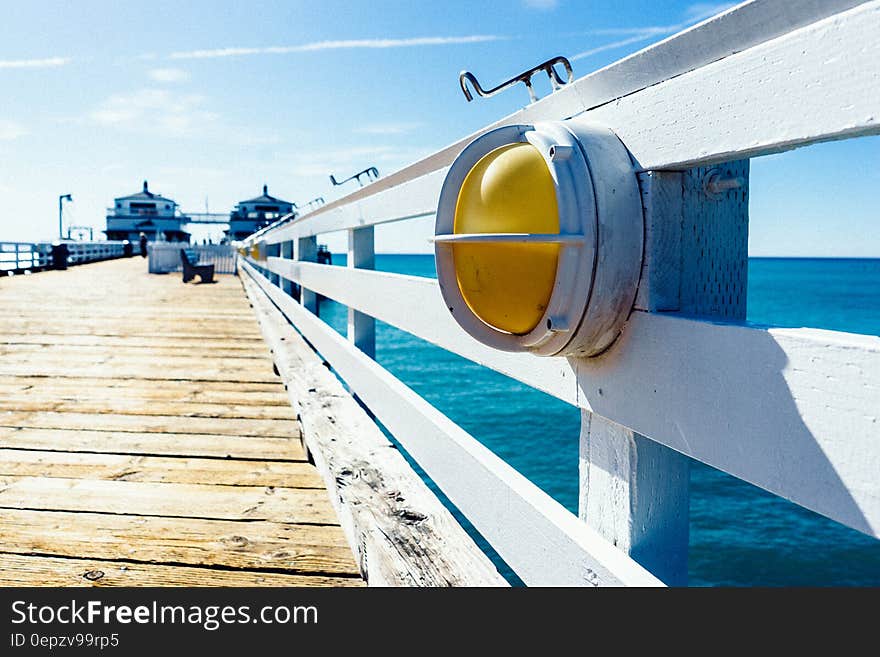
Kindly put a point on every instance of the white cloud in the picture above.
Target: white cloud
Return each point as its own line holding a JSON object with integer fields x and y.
{"x": 46, "y": 62}
{"x": 168, "y": 75}
{"x": 156, "y": 110}
{"x": 541, "y": 4}
{"x": 162, "y": 112}
{"x": 11, "y": 130}
{"x": 348, "y": 44}
{"x": 693, "y": 14}
{"x": 638, "y": 38}
{"x": 387, "y": 128}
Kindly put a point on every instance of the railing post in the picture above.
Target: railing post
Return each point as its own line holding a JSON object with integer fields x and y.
{"x": 287, "y": 253}
{"x": 273, "y": 251}
{"x": 60, "y": 254}
{"x": 307, "y": 251}
{"x": 634, "y": 491}
{"x": 361, "y": 254}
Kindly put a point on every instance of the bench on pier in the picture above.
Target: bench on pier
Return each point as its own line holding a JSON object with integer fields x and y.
{"x": 191, "y": 267}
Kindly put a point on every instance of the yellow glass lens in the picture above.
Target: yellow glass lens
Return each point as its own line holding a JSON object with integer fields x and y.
{"x": 510, "y": 190}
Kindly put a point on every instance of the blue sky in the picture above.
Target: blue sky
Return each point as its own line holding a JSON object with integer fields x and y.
{"x": 209, "y": 100}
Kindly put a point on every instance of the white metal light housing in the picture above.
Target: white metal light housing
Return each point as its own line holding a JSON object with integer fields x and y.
{"x": 539, "y": 238}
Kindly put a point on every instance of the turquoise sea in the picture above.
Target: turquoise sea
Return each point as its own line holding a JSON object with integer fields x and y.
{"x": 739, "y": 535}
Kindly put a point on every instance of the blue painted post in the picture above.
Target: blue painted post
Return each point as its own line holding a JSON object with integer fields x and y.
{"x": 307, "y": 251}
{"x": 633, "y": 491}
{"x": 361, "y": 253}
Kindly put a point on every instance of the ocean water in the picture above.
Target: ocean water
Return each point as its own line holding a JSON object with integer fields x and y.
{"x": 739, "y": 534}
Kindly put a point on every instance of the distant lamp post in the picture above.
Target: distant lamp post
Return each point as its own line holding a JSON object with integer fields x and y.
{"x": 61, "y": 199}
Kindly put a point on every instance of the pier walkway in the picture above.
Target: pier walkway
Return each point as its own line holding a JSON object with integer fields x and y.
{"x": 146, "y": 440}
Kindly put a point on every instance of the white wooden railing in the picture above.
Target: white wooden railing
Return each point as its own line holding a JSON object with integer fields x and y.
{"x": 36, "y": 256}
{"x": 83, "y": 252}
{"x": 793, "y": 411}
{"x": 24, "y": 256}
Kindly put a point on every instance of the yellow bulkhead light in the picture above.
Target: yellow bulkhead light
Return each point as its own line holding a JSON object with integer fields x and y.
{"x": 538, "y": 238}
{"x": 510, "y": 190}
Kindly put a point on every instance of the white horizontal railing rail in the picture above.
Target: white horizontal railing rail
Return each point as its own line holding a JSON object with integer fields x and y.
{"x": 791, "y": 411}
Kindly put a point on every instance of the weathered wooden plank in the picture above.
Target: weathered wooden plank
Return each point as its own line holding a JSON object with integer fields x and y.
{"x": 163, "y": 444}
{"x": 543, "y": 542}
{"x": 18, "y": 570}
{"x": 150, "y": 539}
{"x": 181, "y": 470}
{"x": 157, "y": 315}
{"x": 56, "y": 403}
{"x": 295, "y": 505}
{"x": 151, "y": 424}
{"x": 400, "y": 531}
{"x": 83, "y": 352}
{"x": 77, "y": 359}
{"x": 179, "y": 389}
{"x": 207, "y": 330}
{"x": 154, "y": 448}
{"x": 207, "y": 371}
{"x": 112, "y": 341}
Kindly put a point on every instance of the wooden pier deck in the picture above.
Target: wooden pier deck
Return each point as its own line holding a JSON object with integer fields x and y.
{"x": 146, "y": 440}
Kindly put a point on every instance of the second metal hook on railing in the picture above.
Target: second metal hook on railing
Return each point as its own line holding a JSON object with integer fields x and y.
{"x": 314, "y": 203}
{"x": 372, "y": 173}
{"x": 525, "y": 77}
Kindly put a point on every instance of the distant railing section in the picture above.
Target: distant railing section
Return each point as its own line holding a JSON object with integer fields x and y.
{"x": 21, "y": 257}
{"x": 24, "y": 256}
{"x": 79, "y": 253}
{"x": 165, "y": 257}
{"x": 792, "y": 411}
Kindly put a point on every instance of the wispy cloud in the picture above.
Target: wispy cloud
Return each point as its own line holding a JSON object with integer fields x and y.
{"x": 348, "y": 44}
{"x": 541, "y": 4}
{"x": 166, "y": 113}
{"x": 387, "y": 128}
{"x": 693, "y": 14}
{"x": 46, "y": 62}
{"x": 156, "y": 110}
{"x": 168, "y": 75}
{"x": 612, "y": 45}
{"x": 10, "y": 130}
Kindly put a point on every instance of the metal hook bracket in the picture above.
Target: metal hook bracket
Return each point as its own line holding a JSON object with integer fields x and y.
{"x": 314, "y": 203}
{"x": 525, "y": 77}
{"x": 371, "y": 173}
